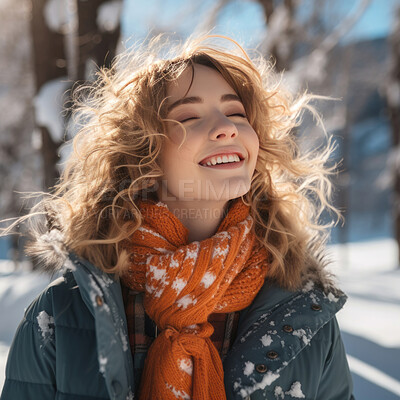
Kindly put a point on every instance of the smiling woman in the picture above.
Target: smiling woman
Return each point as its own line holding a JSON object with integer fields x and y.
{"x": 211, "y": 148}
{"x": 186, "y": 222}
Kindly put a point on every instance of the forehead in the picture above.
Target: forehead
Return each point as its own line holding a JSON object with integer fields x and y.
{"x": 198, "y": 80}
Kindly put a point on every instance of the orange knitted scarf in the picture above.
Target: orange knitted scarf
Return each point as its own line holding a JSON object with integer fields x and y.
{"x": 185, "y": 283}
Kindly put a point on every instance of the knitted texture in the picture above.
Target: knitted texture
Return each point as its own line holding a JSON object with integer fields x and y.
{"x": 185, "y": 283}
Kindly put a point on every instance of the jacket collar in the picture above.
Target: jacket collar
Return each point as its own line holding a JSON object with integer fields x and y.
{"x": 101, "y": 293}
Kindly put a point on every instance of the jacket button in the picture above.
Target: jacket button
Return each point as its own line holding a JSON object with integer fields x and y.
{"x": 316, "y": 307}
{"x": 272, "y": 354}
{"x": 261, "y": 368}
{"x": 99, "y": 300}
{"x": 288, "y": 328}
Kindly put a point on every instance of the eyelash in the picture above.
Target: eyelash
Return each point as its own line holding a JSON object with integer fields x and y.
{"x": 230, "y": 115}
{"x": 238, "y": 115}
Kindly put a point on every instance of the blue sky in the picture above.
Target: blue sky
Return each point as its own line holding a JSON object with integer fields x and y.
{"x": 377, "y": 20}
{"x": 242, "y": 19}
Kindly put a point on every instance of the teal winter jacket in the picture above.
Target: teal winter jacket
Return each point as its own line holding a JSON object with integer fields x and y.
{"x": 72, "y": 344}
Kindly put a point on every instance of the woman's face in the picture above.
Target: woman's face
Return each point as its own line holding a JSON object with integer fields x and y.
{"x": 216, "y": 160}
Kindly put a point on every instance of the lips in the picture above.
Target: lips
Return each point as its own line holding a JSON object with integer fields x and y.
{"x": 222, "y": 158}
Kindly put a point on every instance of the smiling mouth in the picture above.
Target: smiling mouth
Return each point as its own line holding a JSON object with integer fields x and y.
{"x": 224, "y": 159}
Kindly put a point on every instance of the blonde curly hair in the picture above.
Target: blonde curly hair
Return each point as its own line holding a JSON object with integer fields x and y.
{"x": 115, "y": 158}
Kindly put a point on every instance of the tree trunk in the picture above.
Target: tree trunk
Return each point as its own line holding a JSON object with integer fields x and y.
{"x": 94, "y": 44}
{"x": 49, "y": 63}
{"x": 393, "y": 97}
{"x": 52, "y": 61}
{"x": 281, "y": 54}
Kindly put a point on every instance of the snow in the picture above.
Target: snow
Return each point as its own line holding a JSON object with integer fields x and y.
{"x": 174, "y": 263}
{"x": 154, "y": 233}
{"x": 192, "y": 251}
{"x": 279, "y": 392}
{"x": 62, "y": 16}
{"x": 267, "y": 379}
{"x": 332, "y": 297}
{"x": 162, "y": 250}
{"x": 179, "y": 394}
{"x": 218, "y": 251}
{"x": 108, "y": 15}
{"x": 178, "y": 285}
{"x": 4, "y": 347}
{"x": 222, "y": 235}
{"x": 158, "y": 273}
{"x": 186, "y": 365}
{"x": 124, "y": 340}
{"x": 94, "y": 294}
{"x": 49, "y": 106}
{"x": 295, "y": 391}
{"x": 186, "y": 301}
{"x": 266, "y": 340}
{"x": 363, "y": 257}
{"x": 45, "y": 322}
{"x": 208, "y": 279}
{"x": 373, "y": 374}
{"x": 301, "y": 334}
{"x": 248, "y": 368}
{"x": 55, "y": 15}
{"x": 102, "y": 364}
{"x": 308, "y": 286}
{"x": 367, "y": 272}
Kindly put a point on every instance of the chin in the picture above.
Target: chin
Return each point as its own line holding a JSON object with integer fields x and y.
{"x": 233, "y": 191}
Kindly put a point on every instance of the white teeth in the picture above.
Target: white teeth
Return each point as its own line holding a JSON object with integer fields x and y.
{"x": 223, "y": 160}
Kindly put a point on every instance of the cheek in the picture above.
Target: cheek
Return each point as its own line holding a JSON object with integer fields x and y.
{"x": 254, "y": 143}
{"x": 173, "y": 154}
{"x": 176, "y": 134}
{"x": 183, "y": 144}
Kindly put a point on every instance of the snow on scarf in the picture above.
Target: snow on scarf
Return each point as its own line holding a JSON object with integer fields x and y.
{"x": 185, "y": 283}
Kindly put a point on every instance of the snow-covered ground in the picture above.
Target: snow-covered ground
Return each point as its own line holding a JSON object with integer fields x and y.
{"x": 370, "y": 320}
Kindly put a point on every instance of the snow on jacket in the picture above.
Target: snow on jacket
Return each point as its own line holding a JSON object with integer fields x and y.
{"x": 72, "y": 344}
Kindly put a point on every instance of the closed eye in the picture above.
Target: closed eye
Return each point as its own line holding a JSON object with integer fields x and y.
{"x": 242, "y": 115}
{"x": 187, "y": 119}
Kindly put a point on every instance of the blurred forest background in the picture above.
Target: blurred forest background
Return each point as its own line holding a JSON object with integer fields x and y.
{"x": 342, "y": 49}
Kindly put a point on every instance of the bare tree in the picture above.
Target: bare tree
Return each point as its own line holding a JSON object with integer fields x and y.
{"x": 69, "y": 38}
{"x": 393, "y": 102}
{"x": 280, "y": 40}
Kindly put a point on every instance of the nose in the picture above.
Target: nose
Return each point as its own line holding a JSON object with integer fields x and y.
{"x": 223, "y": 128}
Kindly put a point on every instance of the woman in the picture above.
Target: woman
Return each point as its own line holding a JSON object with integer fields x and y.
{"x": 186, "y": 222}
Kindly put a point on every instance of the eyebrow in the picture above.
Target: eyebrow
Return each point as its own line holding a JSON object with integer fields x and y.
{"x": 196, "y": 99}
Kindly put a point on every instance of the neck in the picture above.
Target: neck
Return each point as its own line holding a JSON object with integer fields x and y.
{"x": 201, "y": 218}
